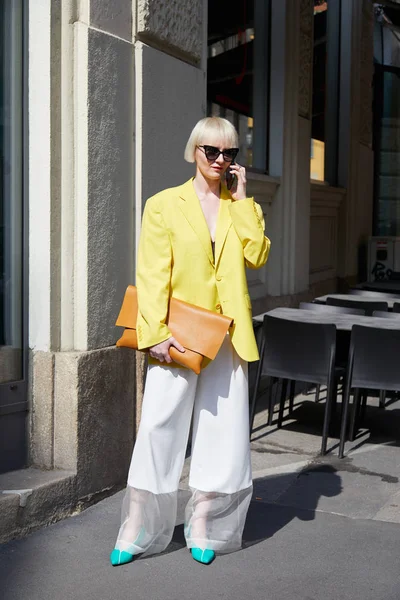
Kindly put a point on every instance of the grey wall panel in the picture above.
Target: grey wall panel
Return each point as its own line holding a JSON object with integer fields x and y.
{"x": 176, "y": 24}
{"x": 112, "y": 16}
{"x": 110, "y": 185}
{"x": 173, "y": 102}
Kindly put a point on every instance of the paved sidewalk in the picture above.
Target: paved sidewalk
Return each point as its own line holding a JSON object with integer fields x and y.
{"x": 291, "y": 554}
{"x": 318, "y": 529}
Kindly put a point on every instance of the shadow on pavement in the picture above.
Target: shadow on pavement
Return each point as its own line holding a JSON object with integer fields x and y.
{"x": 307, "y": 418}
{"x": 298, "y": 498}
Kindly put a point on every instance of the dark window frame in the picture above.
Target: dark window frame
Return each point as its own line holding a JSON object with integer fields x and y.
{"x": 331, "y": 92}
{"x": 14, "y": 394}
{"x": 260, "y": 88}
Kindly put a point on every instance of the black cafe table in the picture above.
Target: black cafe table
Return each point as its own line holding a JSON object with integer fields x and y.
{"x": 390, "y": 300}
{"x": 343, "y": 322}
{"x": 388, "y": 287}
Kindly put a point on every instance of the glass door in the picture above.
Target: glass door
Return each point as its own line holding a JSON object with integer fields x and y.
{"x": 13, "y": 388}
{"x": 387, "y": 151}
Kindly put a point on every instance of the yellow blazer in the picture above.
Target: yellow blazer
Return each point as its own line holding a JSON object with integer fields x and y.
{"x": 175, "y": 258}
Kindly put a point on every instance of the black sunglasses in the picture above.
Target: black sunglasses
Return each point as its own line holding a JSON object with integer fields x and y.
{"x": 212, "y": 153}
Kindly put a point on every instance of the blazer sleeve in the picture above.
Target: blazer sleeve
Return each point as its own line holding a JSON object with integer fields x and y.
{"x": 153, "y": 276}
{"x": 248, "y": 221}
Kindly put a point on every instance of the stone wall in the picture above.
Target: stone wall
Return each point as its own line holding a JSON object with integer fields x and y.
{"x": 176, "y": 26}
{"x": 82, "y": 388}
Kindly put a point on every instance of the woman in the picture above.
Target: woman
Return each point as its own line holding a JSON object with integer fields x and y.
{"x": 195, "y": 243}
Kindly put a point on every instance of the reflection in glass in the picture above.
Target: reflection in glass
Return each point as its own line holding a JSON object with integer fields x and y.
{"x": 237, "y": 73}
{"x": 388, "y": 157}
{"x": 317, "y": 160}
{"x": 231, "y": 49}
{"x": 11, "y": 78}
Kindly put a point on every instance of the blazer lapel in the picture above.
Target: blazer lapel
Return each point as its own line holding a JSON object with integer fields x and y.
{"x": 224, "y": 222}
{"x": 191, "y": 208}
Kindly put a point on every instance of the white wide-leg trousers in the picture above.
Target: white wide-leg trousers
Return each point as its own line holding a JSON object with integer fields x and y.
{"x": 220, "y": 469}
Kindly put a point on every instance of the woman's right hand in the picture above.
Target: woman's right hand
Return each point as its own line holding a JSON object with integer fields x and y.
{"x": 161, "y": 351}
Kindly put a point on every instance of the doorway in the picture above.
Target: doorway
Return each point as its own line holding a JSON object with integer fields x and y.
{"x": 386, "y": 218}
{"x": 13, "y": 263}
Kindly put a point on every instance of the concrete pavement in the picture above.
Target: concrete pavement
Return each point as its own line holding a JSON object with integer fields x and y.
{"x": 318, "y": 528}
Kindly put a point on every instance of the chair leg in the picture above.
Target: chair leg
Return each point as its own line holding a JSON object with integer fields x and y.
{"x": 282, "y": 402}
{"x": 292, "y": 393}
{"x": 317, "y": 391}
{"x": 334, "y": 403}
{"x": 271, "y": 400}
{"x": 354, "y": 414}
{"x": 345, "y": 412}
{"x": 363, "y": 406}
{"x": 256, "y": 385}
{"x": 330, "y": 398}
{"x": 253, "y": 405}
{"x": 382, "y": 398}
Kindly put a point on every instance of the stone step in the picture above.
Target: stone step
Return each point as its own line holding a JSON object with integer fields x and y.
{"x": 31, "y": 498}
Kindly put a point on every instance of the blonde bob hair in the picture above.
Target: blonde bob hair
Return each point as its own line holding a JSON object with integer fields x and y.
{"x": 208, "y": 130}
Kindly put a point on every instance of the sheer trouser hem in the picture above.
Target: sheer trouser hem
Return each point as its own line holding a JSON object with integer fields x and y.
{"x": 213, "y": 520}
{"x": 147, "y": 521}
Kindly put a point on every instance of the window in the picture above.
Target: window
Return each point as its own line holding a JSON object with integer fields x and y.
{"x": 387, "y": 151}
{"x": 325, "y": 95}
{"x": 13, "y": 355}
{"x": 386, "y": 216}
{"x": 319, "y": 91}
{"x": 11, "y": 177}
{"x": 238, "y": 72}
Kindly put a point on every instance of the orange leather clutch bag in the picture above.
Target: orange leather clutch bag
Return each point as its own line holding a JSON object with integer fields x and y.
{"x": 200, "y": 331}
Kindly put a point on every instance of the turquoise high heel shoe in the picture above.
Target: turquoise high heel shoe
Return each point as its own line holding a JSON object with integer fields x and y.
{"x": 203, "y": 556}
{"x": 121, "y": 557}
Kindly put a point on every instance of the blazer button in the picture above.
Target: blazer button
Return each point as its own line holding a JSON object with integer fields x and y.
{"x": 218, "y": 278}
{"x": 218, "y": 306}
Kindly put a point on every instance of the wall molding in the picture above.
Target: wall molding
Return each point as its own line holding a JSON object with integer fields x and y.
{"x": 366, "y": 73}
{"x": 324, "y": 228}
{"x": 306, "y": 57}
{"x": 262, "y": 187}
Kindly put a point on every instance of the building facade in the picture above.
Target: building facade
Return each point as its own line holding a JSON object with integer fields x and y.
{"x": 99, "y": 98}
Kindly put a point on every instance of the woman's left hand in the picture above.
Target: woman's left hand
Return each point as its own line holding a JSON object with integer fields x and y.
{"x": 238, "y": 190}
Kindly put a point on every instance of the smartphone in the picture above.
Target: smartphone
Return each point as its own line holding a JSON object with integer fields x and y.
{"x": 229, "y": 177}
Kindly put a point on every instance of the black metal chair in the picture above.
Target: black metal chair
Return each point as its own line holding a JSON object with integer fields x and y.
{"x": 325, "y": 308}
{"x": 295, "y": 351}
{"x": 382, "y": 396}
{"x": 389, "y": 287}
{"x": 385, "y": 315}
{"x": 369, "y": 307}
{"x": 378, "y": 295}
{"x": 369, "y": 369}
{"x": 396, "y": 307}
{"x": 364, "y": 395}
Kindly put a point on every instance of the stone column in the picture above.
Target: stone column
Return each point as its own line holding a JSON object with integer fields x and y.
{"x": 82, "y": 240}
{"x": 355, "y": 134}
{"x": 290, "y": 130}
